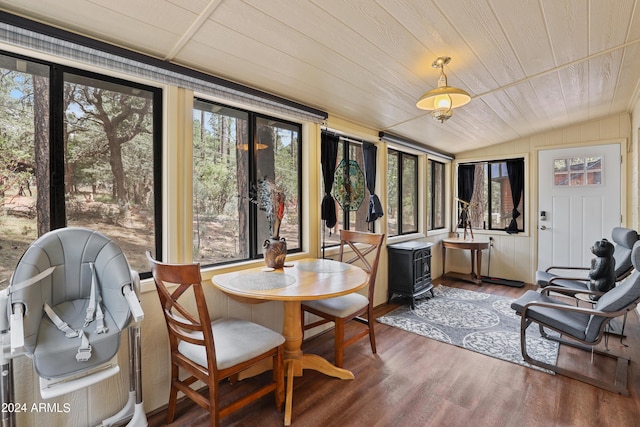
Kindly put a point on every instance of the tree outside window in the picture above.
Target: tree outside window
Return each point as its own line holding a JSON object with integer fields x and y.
{"x": 92, "y": 162}
{"x": 402, "y": 193}
{"x": 491, "y": 204}
{"x": 435, "y": 195}
{"x": 237, "y": 156}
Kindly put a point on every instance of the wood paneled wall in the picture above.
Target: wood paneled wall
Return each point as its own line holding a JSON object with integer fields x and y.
{"x": 512, "y": 257}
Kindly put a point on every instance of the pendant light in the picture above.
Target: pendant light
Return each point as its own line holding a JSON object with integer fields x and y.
{"x": 442, "y": 100}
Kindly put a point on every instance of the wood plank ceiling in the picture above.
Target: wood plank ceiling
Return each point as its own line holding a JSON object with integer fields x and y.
{"x": 529, "y": 65}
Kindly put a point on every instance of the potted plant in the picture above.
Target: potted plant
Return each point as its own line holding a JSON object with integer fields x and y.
{"x": 270, "y": 198}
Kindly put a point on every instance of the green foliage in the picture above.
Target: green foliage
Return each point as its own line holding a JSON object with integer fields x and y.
{"x": 286, "y": 165}
{"x": 16, "y": 128}
{"x": 392, "y": 183}
{"x": 214, "y": 188}
{"x": 214, "y": 164}
{"x": 109, "y": 141}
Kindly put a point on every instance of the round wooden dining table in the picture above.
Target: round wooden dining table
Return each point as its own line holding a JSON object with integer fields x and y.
{"x": 300, "y": 280}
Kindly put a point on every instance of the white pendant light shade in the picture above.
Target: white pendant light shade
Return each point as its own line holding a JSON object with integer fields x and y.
{"x": 437, "y": 98}
{"x": 444, "y": 98}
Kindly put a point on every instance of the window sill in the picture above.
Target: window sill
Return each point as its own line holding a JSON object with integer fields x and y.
{"x": 405, "y": 238}
{"x": 460, "y": 231}
{"x": 147, "y": 285}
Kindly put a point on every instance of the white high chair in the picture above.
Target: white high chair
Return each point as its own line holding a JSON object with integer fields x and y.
{"x": 70, "y": 296}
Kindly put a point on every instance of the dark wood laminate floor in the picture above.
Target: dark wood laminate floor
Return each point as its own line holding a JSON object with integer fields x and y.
{"x": 416, "y": 381}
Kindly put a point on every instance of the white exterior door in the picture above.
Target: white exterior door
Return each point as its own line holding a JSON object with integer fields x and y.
{"x": 579, "y": 194}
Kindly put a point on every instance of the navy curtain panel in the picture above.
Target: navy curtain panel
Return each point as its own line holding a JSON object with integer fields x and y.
{"x": 328, "y": 158}
{"x": 515, "y": 169}
{"x": 465, "y": 189}
{"x": 369, "y": 152}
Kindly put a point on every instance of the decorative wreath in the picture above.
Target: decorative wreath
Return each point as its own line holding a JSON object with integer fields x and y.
{"x": 349, "y": 185}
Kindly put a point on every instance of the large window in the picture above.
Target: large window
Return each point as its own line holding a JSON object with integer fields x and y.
{"x": 402, "y": 193}
{"x": 435, "y": 195}
{"x": 349, "y": 191}
{"x": 492, "y": 202}
{"x": 79, "y": 149}
{"x": 246, "y": 183}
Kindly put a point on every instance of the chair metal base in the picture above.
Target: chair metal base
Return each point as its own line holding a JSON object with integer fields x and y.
{"x": 610, "y": 331}
{"x": 7, "y": 418}
{"x": 132, "y": 412}
{"x": 622, "y": 364}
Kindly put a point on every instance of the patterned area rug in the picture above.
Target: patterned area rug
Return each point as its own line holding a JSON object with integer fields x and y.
{"x": 477, "y": 321}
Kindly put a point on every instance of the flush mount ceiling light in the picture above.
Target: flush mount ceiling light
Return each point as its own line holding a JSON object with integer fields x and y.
{"x": 442, "y": 100}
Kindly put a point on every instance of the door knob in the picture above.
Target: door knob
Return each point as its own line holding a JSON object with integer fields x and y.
{"x": 543, "y": 227}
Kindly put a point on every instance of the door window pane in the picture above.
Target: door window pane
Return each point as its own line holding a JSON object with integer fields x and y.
{"x": 578, "y": 171}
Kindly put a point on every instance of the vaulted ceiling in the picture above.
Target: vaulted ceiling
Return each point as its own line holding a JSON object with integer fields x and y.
{"x": 529, "y": 65}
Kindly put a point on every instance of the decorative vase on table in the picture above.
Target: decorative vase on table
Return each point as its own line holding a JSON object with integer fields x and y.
{"x": 275, "y": 247}
{"x": 275, "y": 252}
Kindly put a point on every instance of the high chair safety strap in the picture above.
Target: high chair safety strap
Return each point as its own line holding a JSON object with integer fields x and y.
{"x": 94, "y": 309}
{"x": 33, "y": 280}
{"x": 60, "y": 324}
{"x": 84, "y": 351}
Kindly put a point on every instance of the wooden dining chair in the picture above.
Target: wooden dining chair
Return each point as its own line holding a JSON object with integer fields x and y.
{"x": 340, "y": 310}
{"x": 211, "y": 351}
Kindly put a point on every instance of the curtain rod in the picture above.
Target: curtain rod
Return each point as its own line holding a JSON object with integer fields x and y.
{"x": 388, "y": 137}
{"x": 489, "y": 161}
{"x": 346, "y": 138}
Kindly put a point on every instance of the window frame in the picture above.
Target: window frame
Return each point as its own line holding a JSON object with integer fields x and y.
{"x": 347, "y": 143}
{"x": 57, "y": 206}
{"x": 330, "y": 237}
{"x": 488, "y": 163}
{"x": 401, "y": 155}
{"x": 254, "y": 252}
{"x": 431, "y": 201}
